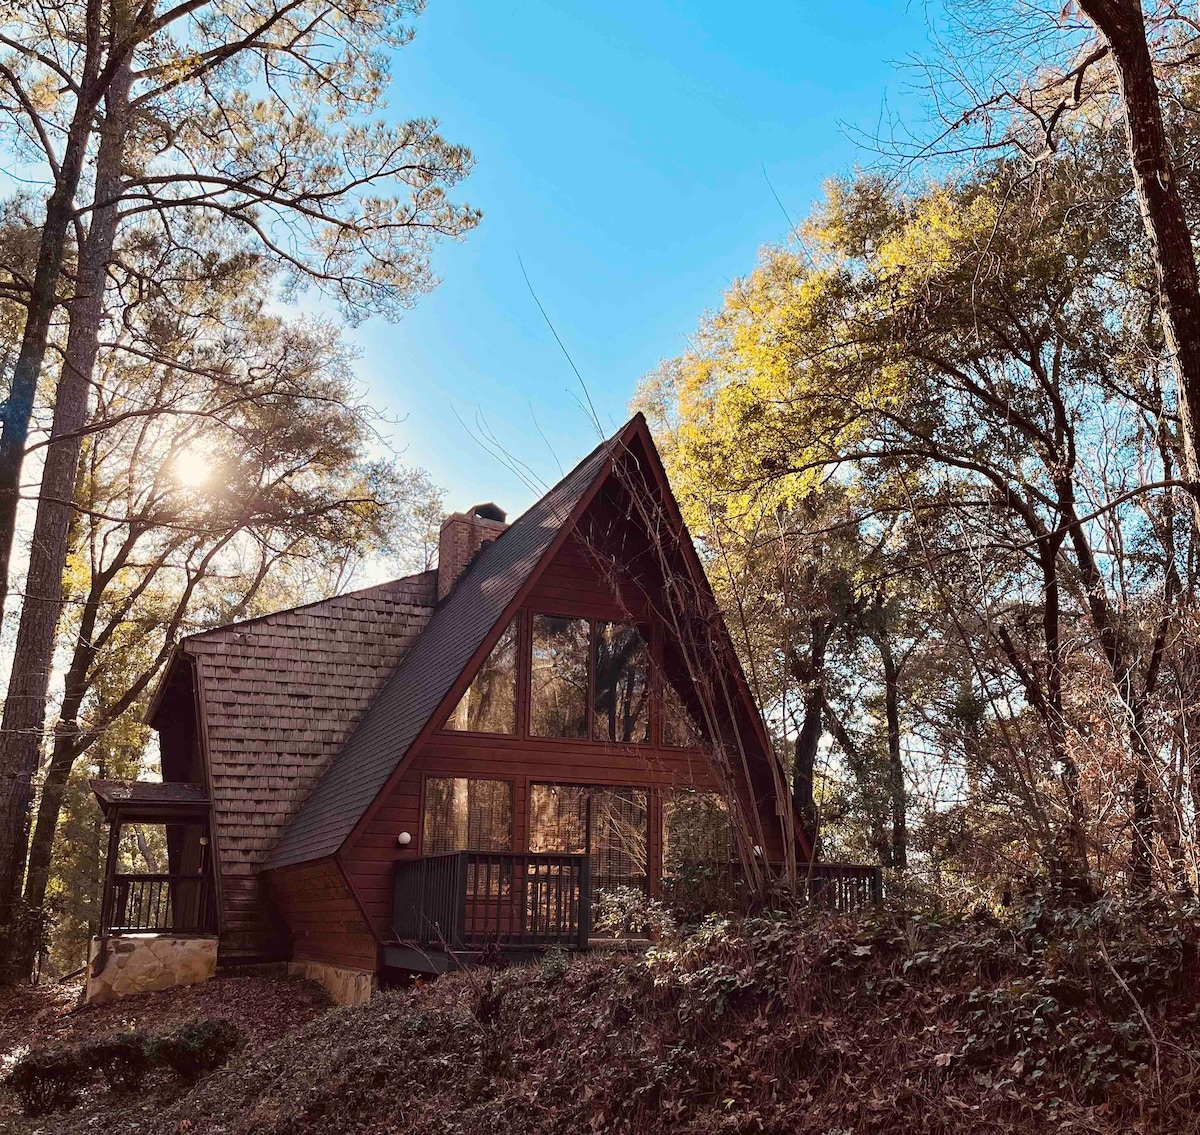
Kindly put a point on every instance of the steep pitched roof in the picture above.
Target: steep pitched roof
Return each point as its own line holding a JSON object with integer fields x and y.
{"x": 427, "y": 672}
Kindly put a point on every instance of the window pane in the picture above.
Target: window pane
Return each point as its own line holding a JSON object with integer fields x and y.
{"x": 489, "y": 815}
{"x": 620, "y": 825}
{"x": 679, "y": 729}
{"x": 466, "y": 815}
{"x": 558, "y": 818}
{"x": 622, "y": 685}
{"x": 559, "y": 682}
{"x": 490, "y": 703}
{"x": 695, "y": 830}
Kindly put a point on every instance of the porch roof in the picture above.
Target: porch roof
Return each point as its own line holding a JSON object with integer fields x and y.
{"x": 149, "y": 800}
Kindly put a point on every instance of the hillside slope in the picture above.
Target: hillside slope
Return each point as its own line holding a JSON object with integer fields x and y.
{"x": 1075, "y": 1021}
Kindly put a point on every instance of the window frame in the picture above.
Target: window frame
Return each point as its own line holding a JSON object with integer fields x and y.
{"x": 527, "y": 690}
{"x": 666, "y": 801}
{"x": 697, "y": 745}
{"x": 652, "y": 632}
{"x": 426, "y": 777}
{"x": 646, "y": 631}
{"x": 652, "y": 797}
{"x": 650, "y": 635}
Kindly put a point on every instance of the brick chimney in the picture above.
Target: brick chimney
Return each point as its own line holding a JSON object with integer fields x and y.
{"x": 461, "y": 537}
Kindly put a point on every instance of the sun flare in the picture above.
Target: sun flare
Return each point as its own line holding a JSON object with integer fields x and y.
{"x": 193, "y": 467}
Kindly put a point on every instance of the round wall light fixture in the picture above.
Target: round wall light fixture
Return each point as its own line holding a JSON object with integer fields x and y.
{"x": 404, "y": 839}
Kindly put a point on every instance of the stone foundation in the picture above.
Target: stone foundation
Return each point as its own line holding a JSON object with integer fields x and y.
{"x": 146, "y": 963}
{"x": 345, "y": 986}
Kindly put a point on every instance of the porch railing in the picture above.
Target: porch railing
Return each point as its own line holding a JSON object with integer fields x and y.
{"x": 842, "y": 887}
{"x": 469, "y": 898}
{"x": 141, "y": 904}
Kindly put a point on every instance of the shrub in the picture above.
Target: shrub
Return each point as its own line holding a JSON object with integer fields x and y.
{"x": 198, "y": 1047}
{"x": 694, "y": 890}
{"x": 47, "y": 1080}
{"x": 121, "y": 1059}
{"x": 554, "y": 964}
{"x": 626, "y": 910}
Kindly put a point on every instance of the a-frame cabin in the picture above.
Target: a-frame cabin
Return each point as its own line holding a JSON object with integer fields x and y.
{"x": 403, "y": 775}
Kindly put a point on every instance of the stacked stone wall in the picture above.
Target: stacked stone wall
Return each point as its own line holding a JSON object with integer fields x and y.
{"x": 345, "y": 986}
{"x": 146, "y": 963}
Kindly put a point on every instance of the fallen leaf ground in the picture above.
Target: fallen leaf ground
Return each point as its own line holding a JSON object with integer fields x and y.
{"x": 1071, "y": 1021}
{"x": 263, "y": 1004}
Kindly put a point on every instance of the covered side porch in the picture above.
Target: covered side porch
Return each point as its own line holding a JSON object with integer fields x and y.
{"x": 157, "y": 928}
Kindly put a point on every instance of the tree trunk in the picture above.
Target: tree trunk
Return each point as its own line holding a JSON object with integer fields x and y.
{"x": 1142, "y": 819}
{"x": 1072, "y": 855}
{"x": 898, "y": 852}
{"x": 95, "y": 866}
{"x": 811, "y": 674}
{"x": 54, "y": 786}
{"x": 1190, "y": 691}
{"x": 68, "y": 746}
{"x": 14, "y": 429}
{"x": 25, "y": 705}
{"x": 145, "y": 851}
{"x": 1141, "y": 862}
{"x": 43, "y": 299}
{"x": 1123, "y": 26}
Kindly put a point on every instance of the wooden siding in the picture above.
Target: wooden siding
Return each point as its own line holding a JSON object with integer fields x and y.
{"x": 570, "y": 584}
{"x": 326, "y": 923}
{"x": 368, "y": 860}
{"x": 280, "y": 696}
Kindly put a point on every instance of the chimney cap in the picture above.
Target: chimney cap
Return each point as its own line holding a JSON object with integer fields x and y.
{"x": 489, "y": 511}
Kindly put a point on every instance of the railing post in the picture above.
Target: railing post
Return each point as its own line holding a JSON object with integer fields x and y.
{"x": 396, "y": 876}
{"x": 458, "y": 932}
{"x": 585, "y": 901}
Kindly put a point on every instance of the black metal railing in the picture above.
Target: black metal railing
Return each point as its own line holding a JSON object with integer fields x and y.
{"x": 182, "y": 904}
{"x": 842, "y": 887}
{"x": 470, "y": 898}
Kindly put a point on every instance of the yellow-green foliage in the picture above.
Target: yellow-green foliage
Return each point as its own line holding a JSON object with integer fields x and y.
{"x": 859, "y": 337}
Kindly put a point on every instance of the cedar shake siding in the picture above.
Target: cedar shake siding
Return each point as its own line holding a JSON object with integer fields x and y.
{"x": 279, "y": 696}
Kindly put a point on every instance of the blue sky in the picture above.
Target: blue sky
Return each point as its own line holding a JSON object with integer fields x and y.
{"x": 620, "y": 151}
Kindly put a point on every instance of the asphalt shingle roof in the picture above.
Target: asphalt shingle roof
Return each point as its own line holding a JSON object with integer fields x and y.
{"x": 428, "y": 670}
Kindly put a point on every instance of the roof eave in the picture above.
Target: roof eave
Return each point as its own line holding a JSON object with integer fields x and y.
{"x": 164, "y": 680}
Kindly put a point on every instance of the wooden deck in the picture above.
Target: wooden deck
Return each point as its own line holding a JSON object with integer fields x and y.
{"x": 449, "y": 910}
{"x": 512, "y": 899}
